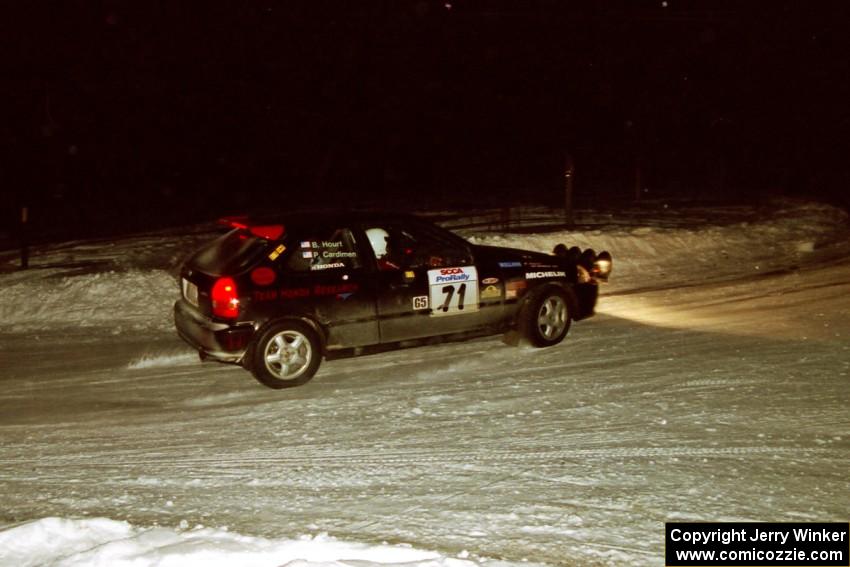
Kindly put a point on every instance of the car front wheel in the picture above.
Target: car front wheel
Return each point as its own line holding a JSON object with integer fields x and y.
{"x": 545, "y": 319}
{"x": 287, "y": 354}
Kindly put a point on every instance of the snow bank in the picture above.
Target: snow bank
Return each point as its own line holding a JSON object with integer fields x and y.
{"x": 673, "y": 247}
{"x": 119, "y": 301}
{"x": 59, "y": 542}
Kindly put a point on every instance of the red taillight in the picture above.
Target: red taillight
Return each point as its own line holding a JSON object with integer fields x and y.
{"x": 225, "y": 298}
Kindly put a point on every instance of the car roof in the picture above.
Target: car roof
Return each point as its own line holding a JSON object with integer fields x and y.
{"x": 302, "y": 218}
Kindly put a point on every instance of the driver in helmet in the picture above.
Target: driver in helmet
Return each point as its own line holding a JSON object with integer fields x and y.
{"x": 379, "y": 239}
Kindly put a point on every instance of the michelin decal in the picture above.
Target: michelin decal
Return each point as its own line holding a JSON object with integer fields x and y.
{"x": 537, "y": 275}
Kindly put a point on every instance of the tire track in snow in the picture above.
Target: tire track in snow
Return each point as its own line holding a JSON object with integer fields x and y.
{"x": 415, "y": 457}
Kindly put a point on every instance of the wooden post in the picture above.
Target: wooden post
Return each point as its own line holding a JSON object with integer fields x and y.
{"x": 569, "y": 172}
{"x": 638, "y": 180}
{"x": 24, "y": 237}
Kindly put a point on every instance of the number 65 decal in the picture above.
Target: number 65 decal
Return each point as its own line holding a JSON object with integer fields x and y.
{"x": 453, "y": 291}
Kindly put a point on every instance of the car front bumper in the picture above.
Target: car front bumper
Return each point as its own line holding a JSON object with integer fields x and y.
{"x": 587, "y": 295}
{"x": 212, "y": 339}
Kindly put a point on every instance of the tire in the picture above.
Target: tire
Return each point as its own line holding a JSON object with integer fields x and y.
{"x": 287, "y": 354}
{"x": 545, "y": 320}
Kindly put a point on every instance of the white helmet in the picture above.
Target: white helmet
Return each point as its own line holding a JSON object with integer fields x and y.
{"x": 378, "y": 239}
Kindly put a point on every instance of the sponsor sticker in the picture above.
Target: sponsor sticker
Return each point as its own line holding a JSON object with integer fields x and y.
{"x": 420, "y": 302}
{"x": 490, "y": 281}
{"x": 513, "y": 288}
{"x": 327, "y": 266}
{"x": 491, "y": 292}
{"x": 277, "y": 252}
{"x": 510, "y": 264}
{"x": 539, "y": 275}
{"x": 263, "y": 276}
{"x": 541, "y": 266}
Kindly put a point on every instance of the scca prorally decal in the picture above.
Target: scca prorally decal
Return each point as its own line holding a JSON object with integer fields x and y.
{"x": 536, "y": 275}
{"x": 453, "y": 291}
{"x": 451, "y": 275}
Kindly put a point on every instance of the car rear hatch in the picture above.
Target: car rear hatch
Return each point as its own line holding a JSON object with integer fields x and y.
{"x": 209, "y": 279}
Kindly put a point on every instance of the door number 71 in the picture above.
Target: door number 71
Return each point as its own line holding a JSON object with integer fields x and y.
{"x": 449, "y": 290}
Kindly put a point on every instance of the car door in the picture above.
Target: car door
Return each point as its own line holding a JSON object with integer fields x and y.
{"x": 427, "y": 283}
{"x": 328, "y": 279}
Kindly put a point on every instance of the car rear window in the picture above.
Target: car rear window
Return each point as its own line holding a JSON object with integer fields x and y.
{"x": 230, "y": 253}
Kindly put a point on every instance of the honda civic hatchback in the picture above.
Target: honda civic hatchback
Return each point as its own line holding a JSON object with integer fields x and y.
{"x": 278, "y": 297}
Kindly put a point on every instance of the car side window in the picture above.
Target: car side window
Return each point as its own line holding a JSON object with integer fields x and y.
{"x": 398, "y": 246}
{"x": 329, "y": 249}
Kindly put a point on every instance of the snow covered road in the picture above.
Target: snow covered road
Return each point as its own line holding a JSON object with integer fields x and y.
{"x": 709, "y": 394}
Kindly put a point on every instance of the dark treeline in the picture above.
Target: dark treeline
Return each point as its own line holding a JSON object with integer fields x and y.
{"x": 127, "y": 115}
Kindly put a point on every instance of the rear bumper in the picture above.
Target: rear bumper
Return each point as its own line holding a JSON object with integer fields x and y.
{"x": 218, "y": 341}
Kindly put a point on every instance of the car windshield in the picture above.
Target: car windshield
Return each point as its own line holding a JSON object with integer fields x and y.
{"x": 230, "y": 253}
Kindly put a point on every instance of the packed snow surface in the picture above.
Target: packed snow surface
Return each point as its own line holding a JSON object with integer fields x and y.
{"x": 712, "y": 385}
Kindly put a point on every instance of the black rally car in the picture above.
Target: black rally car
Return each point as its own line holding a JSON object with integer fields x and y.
{"x": 278, "y": 297}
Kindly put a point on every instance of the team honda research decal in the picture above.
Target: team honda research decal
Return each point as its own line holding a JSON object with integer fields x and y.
{"x": 341, "y": 291}
{"x": 536, "y": 275}
{"x": 453, "y": 291}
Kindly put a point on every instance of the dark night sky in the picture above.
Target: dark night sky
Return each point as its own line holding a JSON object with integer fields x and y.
{"x": 134, "y": 114}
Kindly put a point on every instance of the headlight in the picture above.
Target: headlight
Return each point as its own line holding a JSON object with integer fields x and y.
{"x": 602, "y": 266}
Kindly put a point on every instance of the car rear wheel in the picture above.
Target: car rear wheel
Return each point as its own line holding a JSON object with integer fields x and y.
{"x": 287, "y": 354}
{"x": 545, "y": 319}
